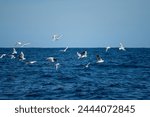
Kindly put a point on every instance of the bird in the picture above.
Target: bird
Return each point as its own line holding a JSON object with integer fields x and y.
{"x": 18, "y": 43}
{"x": 21, "y": 56}
{"x": 122, "y": 47}
{"x": 2, "y": 56}
{"x": 14, "y": 51}
{"x": 51, "y": 59}
{"x": 107, "y": 48}
{"x": 57, "y": 66}
{"x": 56, "y": 37}
{"x": 99, "y": 59}
{"x": 31, "y": 62}
{"x": 64, "y": 49}
{"x": 12, "y": 56}
{"x": 25, "y": 44}
{"x": 87, "y": 65}
{"x": 82, "y": 55}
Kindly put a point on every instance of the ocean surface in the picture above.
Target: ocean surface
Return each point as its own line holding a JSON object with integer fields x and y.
{"x": 125, "y": 75}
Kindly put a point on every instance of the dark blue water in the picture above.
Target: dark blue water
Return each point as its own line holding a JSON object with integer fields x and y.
{"x": 123, "y": 75}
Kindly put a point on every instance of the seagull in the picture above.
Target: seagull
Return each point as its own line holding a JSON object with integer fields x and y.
{"x": 18, "y": 43}
{"x": 87, "y": 65}
{"x": 25, "y": 44}
{"x": 57, "y": 66}
{"x": 51, "y": 59}
{"x": 107, "y": 48}
{"x": 64, "y": 49}
{"x": 82, "y": 55}
{"x": 14, "y": 51}
{"x": 31, "y": 62}
{"x": 99, "y": 59}
{"x": 21, "y": 56}
{"x": 12, "y": 56}
{"x": 2, "y": 56}
{"x": 56, "y": 37}
{"x": 122, "y": 47}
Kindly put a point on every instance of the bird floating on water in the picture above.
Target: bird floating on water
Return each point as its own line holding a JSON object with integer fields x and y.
{"x": 82, "y": 55}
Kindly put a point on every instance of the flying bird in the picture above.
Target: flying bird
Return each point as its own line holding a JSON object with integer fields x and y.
{"x": 21, "y": 56}
{"x": 51, "y": 59}
{"x": 107, "y": 48}
{"x": 12, "y": 56}
{"x": 18, "y": 43}
{"x": 57, "y": 66}
{"x": 122, "y": 47}
{"x": 82, "y": 55}
{"x": 99, "y": 59}
{"x": 64, "y": 49}
{"x": 31, "y": 62}
{"x": 25, "y": 44}
{"x": 14, "y": 51}
{"x": 87, "y": 65}
{"x": 56, "y": 37}
{"x": 3, "y": 55}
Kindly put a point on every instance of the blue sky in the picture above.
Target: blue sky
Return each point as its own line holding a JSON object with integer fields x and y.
{"x": 83, "y": 23}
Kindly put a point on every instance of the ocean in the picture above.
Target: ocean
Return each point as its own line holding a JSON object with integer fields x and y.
{"x": 124, "y": 75}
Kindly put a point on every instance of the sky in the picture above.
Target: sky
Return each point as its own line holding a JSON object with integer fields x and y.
{"x": 83, "y": 23}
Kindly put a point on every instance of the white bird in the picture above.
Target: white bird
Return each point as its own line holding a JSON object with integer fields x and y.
{"x": 56, "y": 37}
{"x": 99, "y": 59}
{"x": 31, "y": 62}
{"x": 107, "y": 48}
{"x": 51, "y": 59}
{"x": 14, "y": 51}
{"x": 2, "y": 56}
{"x": 12, "y": 56}
{"x": 25, "y": 44}
{"x": 122, "y": 47}
{"x": 64, "y": 49}
{"x": 18, "y": 43}
{"x": 57, "y": 66}
{"x": 87, "y": 65}
{"x": 21, "y": 56}
{"x": 82, "y": 55}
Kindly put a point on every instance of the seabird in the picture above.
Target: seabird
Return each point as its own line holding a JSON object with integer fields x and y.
{"x": 56, "y": 37}
{"x": 31, "y": 62}
{"x": 122, "y": 47}
{"x": 12, "y": 56}
{"x": 25, "y": 44}
{"x": 107, "y": 48}
{"x": 57, "y": 66}
{"x": 64, "y": 49}
{"x": 21, "y": 56}
{"x": 14, "y": 51}
{"x": 82, "y": 55}
{"x": 51, "y": 59}
{"x": 87, "y": 65}
{"x": 2, "y": 56}
{"x": 18, "y": 43}
{"x": 99, "y": 59}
